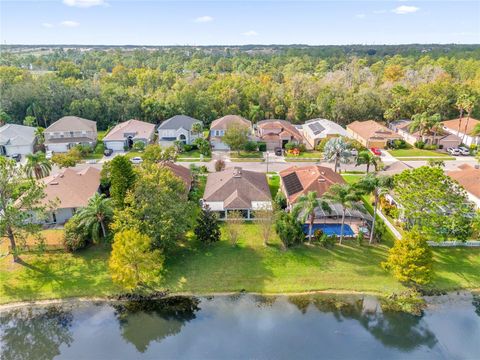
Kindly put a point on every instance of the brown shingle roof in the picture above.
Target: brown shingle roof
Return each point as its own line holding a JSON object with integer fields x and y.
{"x": 237, "y": 188}
{"x": 181, "y": 171}
{"x": 312, "y": 178}
{"x": 141, "y": 129}
{"x": 453, "y": 125}
{"x": 225, "y": 121}
{"x": 370, "y": 129}
{"x": 72, "y": 123}
{"x": 468, "y": 177}
{"x": 71, "y": 188}
{"x": 283, "y": 127}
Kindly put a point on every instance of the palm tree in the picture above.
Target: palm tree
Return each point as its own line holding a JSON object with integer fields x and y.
{"x": 377, "y": 186}
{"x": 469, "y": 105}
{"x": 367, "y": 158}
{"x": 336, "y": 150}
{"x": 308, "y": 203}
{"x": 197, "y": 128}
{"x": 96, "y": 215}
{"x": 435, "y": 126}
{"x": 39, "y": 133}
{"x": 347, "y": 196}
{"x": 461, "y": 104}
{"x": 38, "y": 165}
{"x": 420, "y": 123}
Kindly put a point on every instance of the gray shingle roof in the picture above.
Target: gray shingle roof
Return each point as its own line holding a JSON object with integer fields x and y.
{"x": 178, "y": 121}
{"x": 13, "y": 134}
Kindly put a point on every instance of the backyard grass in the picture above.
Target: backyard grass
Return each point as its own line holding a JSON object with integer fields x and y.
{"x": 416, "y": 153}
{"x": 274, "y": 184}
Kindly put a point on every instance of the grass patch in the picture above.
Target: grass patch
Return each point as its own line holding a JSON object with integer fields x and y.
{"x": 190, "y": 154}
{"x": 273, "y": 184}
{"x": 306, "y": 154}
{"x": 101, "y": 134}
{"x": 132, "y": 154}
{"x": 247, "y": 160}
{"x": 246, "y": 155}
{"x": 416, "y": 152}
{"x": 445, "y": 158}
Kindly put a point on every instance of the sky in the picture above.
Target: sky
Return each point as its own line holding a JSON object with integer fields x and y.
{"x": 137, "y": 22}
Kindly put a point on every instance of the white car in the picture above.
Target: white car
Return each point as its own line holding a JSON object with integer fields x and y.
{"x": 136, "y": 160}
{"x": 48, "y": 154}
{"x": 464, "y": 151}
{"x": 453, "y": 151}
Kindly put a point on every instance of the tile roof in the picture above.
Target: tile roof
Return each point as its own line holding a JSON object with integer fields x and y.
{"x": 72, "y": 188}
{"x": 141, "y": 129}
{"x": 225, "y": 121}
{"x": 468, "y": 177}
{"x": 310, "y": 178}
{"x": 13, "y": 134}
{"x": 453, "y": 125}
{"x": 370, "y": 129}
{"x": 178, "y": 121}
{"x": 181, "y": 171}
{"x": 283, "y": 126}
{"x": 237, "y": 188}
{"x": 72, "y": 123}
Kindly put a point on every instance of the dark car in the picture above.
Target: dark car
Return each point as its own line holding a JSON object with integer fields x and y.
{"x": 16, "y": 157}
{"x": 108, "y": 152}
{"x": 278, "y": 151}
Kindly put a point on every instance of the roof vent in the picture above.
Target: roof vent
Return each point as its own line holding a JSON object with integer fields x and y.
{"x": 321, "y": 180}
{"x": 237, "y": 172}
{"x": 54, "y": 183}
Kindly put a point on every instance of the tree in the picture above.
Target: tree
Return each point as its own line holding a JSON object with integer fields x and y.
{"x": 75, "y": 235}
{"x": 465, "y": 102}
{"x": 265, "y": 217}
{"x": 122, "y": 179}
{"x": 39, "y": 134}
{"x": 197, "y": 128}
{"x": 68, "y": 159}
{"x": 476, "y": 130}
{"x": 377, "y": 186}
{"x": 307, "y": 205}
{"x": 288, "y": 228}
{"x": 219, "y": 165}
{"x": 20, "y": 199}
{"x": 96, "y": 215}
{"x": 410, "y": 259}
{"x": 207, "y": 229}
{"x": 436, "y": 163}
{"x": 155, "y": 153}
{"x": 366, "y": 157}
{"x": 434, "y": 202}
{"x": 347, "y": 196}
{"x": 30, "y": 121}
{"x": 236, "y": 136}
{"x": 336, "y": 150}
{"x": 38, "y": 165}
{"x": 203, "y": 146}
{"x": 425, "y": 124}
{"x": 133, "y": 264}
{"x": 233, "y": 226}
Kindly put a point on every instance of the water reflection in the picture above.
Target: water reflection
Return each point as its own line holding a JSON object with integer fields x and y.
{"x": 30, "y": 333}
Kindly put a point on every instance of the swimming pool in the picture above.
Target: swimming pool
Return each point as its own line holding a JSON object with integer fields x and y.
{"x": 330, "y": 229}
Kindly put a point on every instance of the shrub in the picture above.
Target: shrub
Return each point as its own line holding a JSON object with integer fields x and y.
{"x": 179, "y": 146}
{"x": 323, "y": 239}
{"x": 203, "y": 146}
{"x": 419, "y": 144}
{"x": 398, "y": 144}
{"x": 203, "y": 169}
{"x": 219, "y": 165}
{"x": 138, "y": 146}
{"x": 262, "y": 146}
{"x": 430, "y": 147}
{"x": 69, "y": 159}
{"x": 360, "y": 238}
{"x": 75, "y": 236}
{"x": 251, "y": 146}
{"x": 290, "y": 146}
{"x": 289, "y": 229}
{"x": 321, "y": 145}
{"x": 84, "y": 150}
{"x": 280, "y": 200}
{"x": 207, "y": 229}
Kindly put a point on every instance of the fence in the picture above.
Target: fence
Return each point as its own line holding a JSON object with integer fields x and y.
{"x": 471, "y": 243}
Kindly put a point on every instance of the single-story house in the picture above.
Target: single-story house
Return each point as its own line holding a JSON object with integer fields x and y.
{"x": 125, "y": 134}
{"x": 463, "y": 129}
{"x": 219, "y": 126}
{"x": 237, "y": 189}
{"x": 316, "y": 130}
{"x": 296, "y": 181}
{"x": 178, "y": 127}
{"x": 70, "y": 131}
{"x": 180, "y": 171}
{"x": 17, "y": 139}
{"x": 69, "y": 190}
{"x": 372, "y": 134}
{"x": 276, "y": 133}
{"x": 443, "y": 139}
{"x": 469, "y": 177}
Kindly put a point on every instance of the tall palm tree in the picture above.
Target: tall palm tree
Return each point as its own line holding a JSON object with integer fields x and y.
{"x": 367, "y": 158}
{"x": 461, "y": 104}
{"x": 469, "y": 105}
{"x": 347, "y": 196}
{"x": 377, "y": 186}
{"x": 336, "y": 150}
{"x": 420, "y": 123}
{"x": 307, "y": 204}
{"x": 38, "y": 165}
{"x": 435, "y": 125}
{"x": 39, "y": 133}
{"x": 96, "y": 215}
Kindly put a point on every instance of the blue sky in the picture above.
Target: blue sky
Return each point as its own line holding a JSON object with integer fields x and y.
{"x": 120, "y": 22}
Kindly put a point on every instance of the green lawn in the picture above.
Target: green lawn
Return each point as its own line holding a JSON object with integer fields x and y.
{"x": 307, "y": 155}
{"x": 132, "y": 154}
{"x": 274, "y": 184}
{"x": 246, "y": 155}
{"x": 444, "y": 158}
{"x": 416, "y": 152}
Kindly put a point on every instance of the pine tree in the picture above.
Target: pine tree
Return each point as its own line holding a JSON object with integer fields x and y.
{"x": 207, "y": 229}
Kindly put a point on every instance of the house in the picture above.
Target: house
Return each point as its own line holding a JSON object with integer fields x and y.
{"x": 178, "y": 127}
{"x": 17, "y": 139}
{"x": 442, "y": 139}
{"x": 372, "y": 134}
{"x": 70, "y": 131}
{"x": 469, "y": 177}
{"x": 180, "y": 171}
{"x": 463, "y": 129}
{"x": 220, "y": 126}
{"x": 125, "y": 134}
{"x": 276, "y": 133}
{"x": 69, "y": 190}
{"x": 316, "y": 130}
{"x": 237, "y": 189}
{"x": 296, "y": 181}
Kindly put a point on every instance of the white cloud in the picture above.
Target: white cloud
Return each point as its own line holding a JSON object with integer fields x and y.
{"x": 70, "y": 23}
{"x": 204, "y": 19}
{"x": 405, "y": 9}
{"x": 47, "y": 25}
{"x": 360, "y": 16}
{"x": 250, "y": 33}
{"x": 84, "y": 3}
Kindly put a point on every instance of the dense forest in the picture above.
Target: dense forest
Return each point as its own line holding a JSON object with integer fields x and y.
{"x": 341, "y": 83}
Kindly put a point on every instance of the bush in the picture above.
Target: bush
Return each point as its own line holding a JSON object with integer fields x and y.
{"x": 430, "y": 147}
{"x": 280, "y": 200}
{"x": 321, "y": 145}
{"x": 219, "y": 165}
{"x": 262, "y": 146}
{"x": 419, "y": 144}
{"x": 360, "y": 238}
{"x": 203, "y": 146}
{"x": 251, "y": 146}
{"x": 207, "y": 229}
{"x": 398, "y": 144}
{"x": 289, "y": 229}
{"x": 138, "y": 146}
{"x": 69, "y": 159}
{"x": 84, "y": 150}
{"x": 75, "y": 236}
{"x": 323, "y": 239}
{"x": 290, "y": 146}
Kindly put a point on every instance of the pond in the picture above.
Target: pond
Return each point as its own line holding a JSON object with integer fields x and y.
{"x": 242, "y": 326}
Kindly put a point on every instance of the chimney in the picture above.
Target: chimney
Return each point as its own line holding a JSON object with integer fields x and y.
{"x": 237, "y": 172}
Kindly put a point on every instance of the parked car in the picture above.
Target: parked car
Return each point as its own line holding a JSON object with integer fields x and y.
{"x": 464, "y": 151}
{"x": 453, "y": 151}
{"x": 48, "y": 154}
{"x": 108, "y": 152}
{"x": 278, "y": 151}
{"x": 376, "y": 151}
{"x": 16, "y": 157}
{"x": 136, "y": 160}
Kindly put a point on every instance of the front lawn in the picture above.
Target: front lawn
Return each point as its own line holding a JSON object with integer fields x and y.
{"x": 246, "y": 155}
{"x": 305, "y": 155}
{"x": 417, "y": 153}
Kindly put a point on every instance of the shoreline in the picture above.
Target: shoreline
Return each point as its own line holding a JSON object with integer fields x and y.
{"x": 430, "y": 299}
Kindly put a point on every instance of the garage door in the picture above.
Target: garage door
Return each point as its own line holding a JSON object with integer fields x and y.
{"x": 21, "y": 149}
{"x": 218, "y": 145}
{"x": 57, "y": 147}
{"x": 115, "y": 145}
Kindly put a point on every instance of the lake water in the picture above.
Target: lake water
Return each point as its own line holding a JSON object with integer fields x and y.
{"x": 243, "y": 326}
